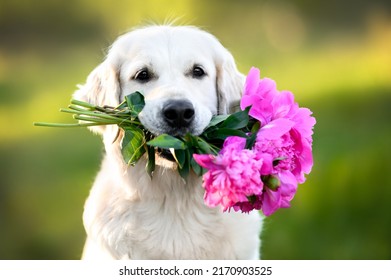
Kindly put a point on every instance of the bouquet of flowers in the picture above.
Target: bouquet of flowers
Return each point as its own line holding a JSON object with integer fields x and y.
{"x": 253, "y": 159}
{"x": 262, "y": 171}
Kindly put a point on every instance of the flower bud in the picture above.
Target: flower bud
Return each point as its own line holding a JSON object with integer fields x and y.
{"x": 272, "y": 182}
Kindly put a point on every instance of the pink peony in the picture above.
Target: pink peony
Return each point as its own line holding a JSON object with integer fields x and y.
{"x": 234, "y": 174}
{"x": 265, "y": 177}
{"x": 258, "y": 94}
{"x": 270, "y": 104}
{"x": 279, "y": 141}
{"x": 261, "y": 93}
{"x": 285, "y": 134}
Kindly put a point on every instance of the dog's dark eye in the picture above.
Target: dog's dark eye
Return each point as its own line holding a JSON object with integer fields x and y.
{"x": 198, "y": 72}
{"x": 142, "y": 76}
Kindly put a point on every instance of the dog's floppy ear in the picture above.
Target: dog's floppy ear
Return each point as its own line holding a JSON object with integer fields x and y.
{"x": 101, "y": 88}
{"x": 230, "y": 84}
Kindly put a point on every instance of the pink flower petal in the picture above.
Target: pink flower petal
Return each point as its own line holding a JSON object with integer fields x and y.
{"x": 206, "y": 161}
{"x": 275, "y": 129}
{"x": 252, "y": 80}
{"x": 270, "y": 202}
{"x": 282, "y": 103}
{"x": 234, "y": 143}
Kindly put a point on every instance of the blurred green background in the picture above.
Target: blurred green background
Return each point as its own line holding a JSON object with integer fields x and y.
{"x": 334, "y": 55}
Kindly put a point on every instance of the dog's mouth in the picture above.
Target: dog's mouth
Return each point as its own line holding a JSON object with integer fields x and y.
{"x": 165, "y": 154}
{"x": 161, "y": 153}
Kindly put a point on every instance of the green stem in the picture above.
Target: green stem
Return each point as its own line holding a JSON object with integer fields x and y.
{"x": 65, "y": 125}
{"x": 95, "y": 120}
{"x": 80, "y": 109}
{"x": 85, "y": 112}
{"x": 83, "y": 104}
{"x": 92, "y": 114}
{"x": 100, "y": 112}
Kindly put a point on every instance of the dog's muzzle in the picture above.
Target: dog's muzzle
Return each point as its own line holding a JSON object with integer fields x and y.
{"x": 178, "y": 117}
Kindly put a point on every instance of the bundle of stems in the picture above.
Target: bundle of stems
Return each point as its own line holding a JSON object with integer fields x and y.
{"x": 138, "y": 141}
{"x": 92, "y": 115}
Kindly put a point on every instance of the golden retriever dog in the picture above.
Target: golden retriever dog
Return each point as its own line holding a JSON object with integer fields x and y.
{"x": 186, "y": 77}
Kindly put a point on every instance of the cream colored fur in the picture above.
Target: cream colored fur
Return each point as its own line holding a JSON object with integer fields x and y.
{"x": 128, "y": 215}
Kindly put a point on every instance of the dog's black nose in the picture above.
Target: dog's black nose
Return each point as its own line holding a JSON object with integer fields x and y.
{"x": 178, "y": 113}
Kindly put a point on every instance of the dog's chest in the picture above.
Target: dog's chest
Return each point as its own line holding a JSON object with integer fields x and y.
{"x": 167, "y": 231}
{"x": 157, "y": 219}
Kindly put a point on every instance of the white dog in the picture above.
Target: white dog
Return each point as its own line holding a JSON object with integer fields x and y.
{"x": 186, "y": 77}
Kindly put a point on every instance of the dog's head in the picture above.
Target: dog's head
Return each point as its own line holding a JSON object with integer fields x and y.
{"x": 184, "y": 73}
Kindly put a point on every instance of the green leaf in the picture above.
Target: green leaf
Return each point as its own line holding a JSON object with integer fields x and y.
{"x": 204, "y": 147}
{"x": 150, "y": 167}
{"x": 133, "y": 145}
{"x": 256, "y": 126}
{"x": 166, "y": 141}
{"x": 135, "y": 102}
{"x": 250, "y": 142}
{"x": 216, "y": 120}
{"x": 191, "y": 140}
{"x": 237, "y": 120}
{"x": 198, "y": 170}
{"x": 184, "y": 170}
{"x": 180, "y": 157}
{"x": 208, "y": 131}
{"x": 223, "y": 133}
